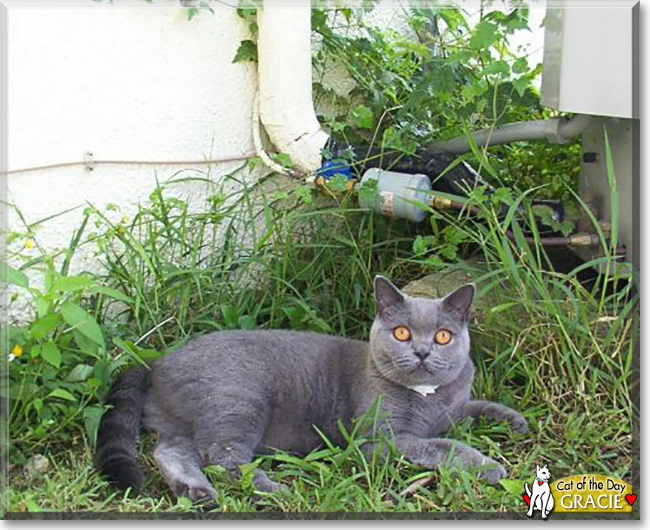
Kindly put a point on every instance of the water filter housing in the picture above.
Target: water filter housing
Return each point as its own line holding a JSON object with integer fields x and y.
{"x": 398, "y": 194}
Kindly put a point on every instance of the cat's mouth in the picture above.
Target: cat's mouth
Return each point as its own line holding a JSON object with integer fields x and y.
{"x": 422, "y": 366}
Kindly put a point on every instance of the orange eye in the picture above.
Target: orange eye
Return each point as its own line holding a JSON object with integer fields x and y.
{"x": 402, "y": 333}
{"x": 443, "y": 336}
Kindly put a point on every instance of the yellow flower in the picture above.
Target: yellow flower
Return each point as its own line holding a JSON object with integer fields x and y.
{"x": 125, "y": 219}
{"x": 29, "y": 244}
{"x": 17, "y": 351}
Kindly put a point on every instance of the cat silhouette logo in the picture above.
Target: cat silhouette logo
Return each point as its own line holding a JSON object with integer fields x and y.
{"x": 541, "y": 498}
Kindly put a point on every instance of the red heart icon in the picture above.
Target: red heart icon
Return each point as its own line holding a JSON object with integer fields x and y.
{"x": 630, "y": 498}
{"x": 540, "y": 482}
{"x": 527, "y": 499}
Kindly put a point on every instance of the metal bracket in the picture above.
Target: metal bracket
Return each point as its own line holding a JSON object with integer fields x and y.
{"x": 89, "y": 161}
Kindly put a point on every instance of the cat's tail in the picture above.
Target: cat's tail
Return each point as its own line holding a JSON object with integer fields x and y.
{"x": 117, "y": 437}
{"x": 527, "y": 489}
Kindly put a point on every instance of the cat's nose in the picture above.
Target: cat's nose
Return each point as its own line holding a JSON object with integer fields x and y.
{"x": 422, "y": 355}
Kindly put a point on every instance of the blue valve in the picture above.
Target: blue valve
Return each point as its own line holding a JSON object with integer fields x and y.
{"x": 331, "y": 168}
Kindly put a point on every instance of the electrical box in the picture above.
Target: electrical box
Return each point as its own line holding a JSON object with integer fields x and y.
{"x": 589, "y": 59}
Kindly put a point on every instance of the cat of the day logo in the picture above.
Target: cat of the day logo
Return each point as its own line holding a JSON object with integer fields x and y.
{"x": 541, "y": 498}
{"x": 578, "y": 493}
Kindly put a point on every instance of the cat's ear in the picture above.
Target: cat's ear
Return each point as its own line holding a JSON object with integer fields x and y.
{"x": 460, "y": 301}
{"x": 537, "y": 467}
{"x": 386, "y": 294}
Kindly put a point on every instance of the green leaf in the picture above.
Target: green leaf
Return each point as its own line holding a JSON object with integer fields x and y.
{"x": 84, "y": 343}
{"x": 247, "y": 322}
{"x": 503, "y": 195}
{"x": 12, "y": 276}
{"x": 521, "y": 84}
{"x": 305, "y": 194}
{"x": 92, "y": 417}
{"x": 500, "y": 68}
{"x": 191, "y": 13}
{"x": 44, "y": 326}
{"x": 185, "y": 503}
{"x": 104, "y": 368}
{"x": 76, "y": 317}
{"x": 32, "y": 505}
{"x": 461, "y": 56}
{"x": 520, "y": 66}
{"x": 42, "y": 305}
{"x": 61, "y": 394}
{"x": 485, "y": 34}
{"x": 215, "y": 469}
{"x": 140, "y": 355}
{"x": 338, "y": 182}
{"x": 230, "y": 316}
{"x": 79, "y": 373}
{"x": 284, "y": 159}
{"x": 295, "y": 314}
{"x": 248, "y": 8}
{"x": 72, "y": 283}
{"x": 472, "y": 90}
{"x": 368, "y": 191}
{"x": 514, "y": 487}
{"x": 149, "y": 354}
{"x": 112, "y": 293}
{"x": 248, "y": 473}
{"x": 547, "y": 216}
{"x": 517, "y": 19}
{"x": 503, "y": 307}
{"x": 51, "y": 353}
{"x": 35, "y": 352}
{"x": 247, "y": 51}
{"x": 244, "y": 12}
{"x": 363, "y": 117}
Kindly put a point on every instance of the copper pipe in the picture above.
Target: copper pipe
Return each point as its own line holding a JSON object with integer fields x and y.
{"x": 580, "y": 239}
{"x": 442, "y": 203}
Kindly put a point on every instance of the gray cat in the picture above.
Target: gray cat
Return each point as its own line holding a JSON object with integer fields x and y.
{"x": 227, "y": 396}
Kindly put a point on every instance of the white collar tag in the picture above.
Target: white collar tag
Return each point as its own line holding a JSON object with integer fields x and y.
{"x": 425, "y": 390}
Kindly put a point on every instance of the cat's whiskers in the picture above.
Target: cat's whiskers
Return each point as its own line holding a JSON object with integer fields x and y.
{"x": 396, "y": 366}
{"x": 439, "y": 364}
{"x": 388, "y": 370}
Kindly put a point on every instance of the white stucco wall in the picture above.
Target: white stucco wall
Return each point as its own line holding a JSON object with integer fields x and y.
{"x": 135, "y": 84}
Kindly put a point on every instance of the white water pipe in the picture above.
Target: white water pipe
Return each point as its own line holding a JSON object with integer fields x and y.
{"x": 555, "y": 130}
{"x": 286, "y": 105}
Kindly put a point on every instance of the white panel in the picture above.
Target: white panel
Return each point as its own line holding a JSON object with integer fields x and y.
{"x": 591, "y": 70}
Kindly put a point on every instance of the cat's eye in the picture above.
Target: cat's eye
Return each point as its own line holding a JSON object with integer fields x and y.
{"x": 402, "y": 333}
{"x": 443, "y": 336}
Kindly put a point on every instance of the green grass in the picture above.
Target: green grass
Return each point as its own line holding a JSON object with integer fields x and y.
{"x": 556, "y": 350}
{"x": 335, "y": 479}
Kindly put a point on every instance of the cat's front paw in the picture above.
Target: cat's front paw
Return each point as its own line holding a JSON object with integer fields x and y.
{"x": 262, "y": 482}
{"x": 492, "y": 471}
{"x": 518, "y": 422}
{"x": 202, "y": 495}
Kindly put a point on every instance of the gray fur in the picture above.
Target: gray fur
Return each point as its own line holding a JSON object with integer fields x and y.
{"x": 227, "y": 396}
